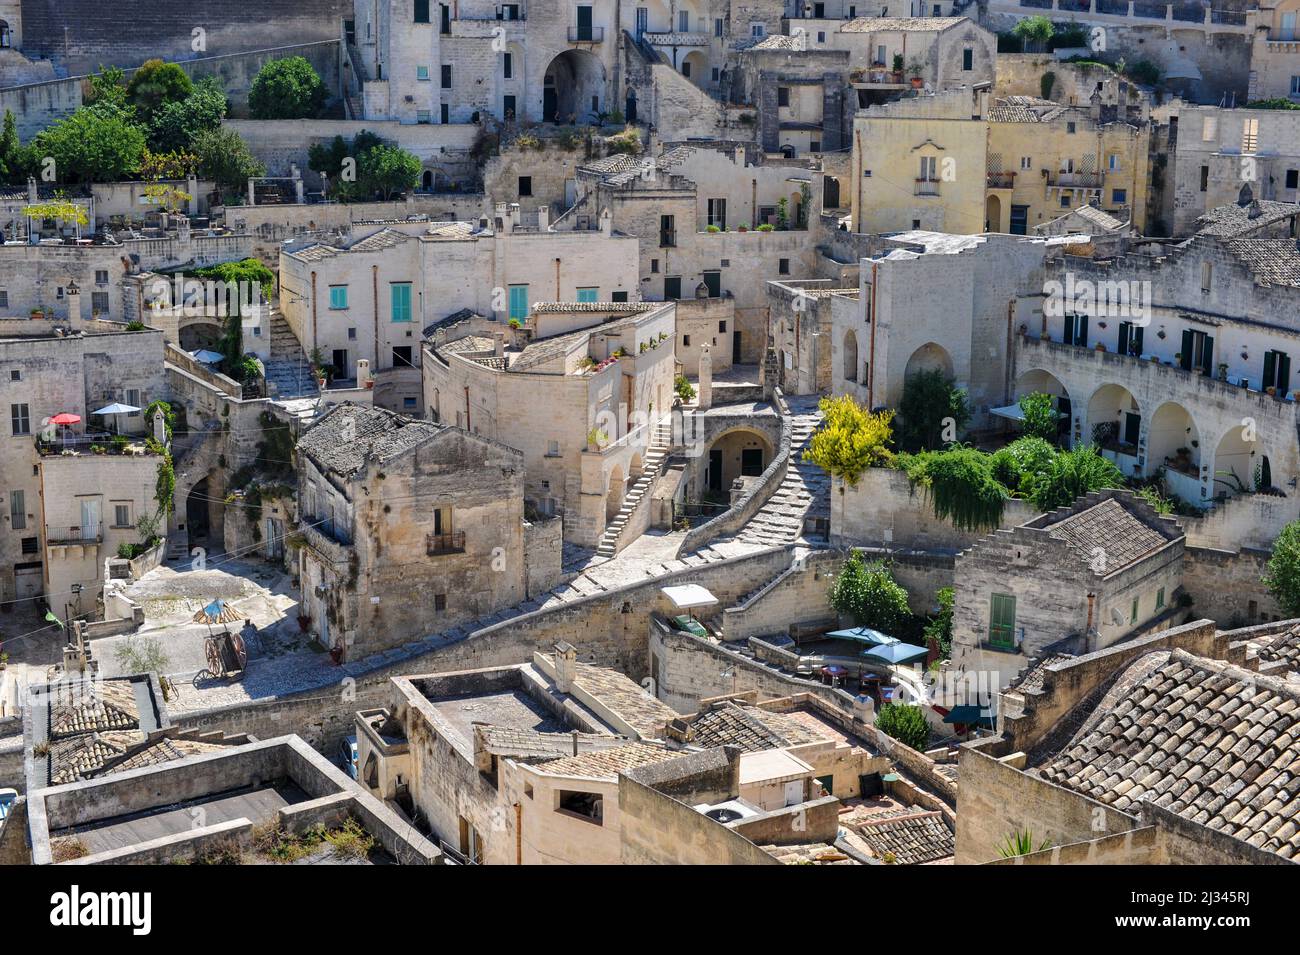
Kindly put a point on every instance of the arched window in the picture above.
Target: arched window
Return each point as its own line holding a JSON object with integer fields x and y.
{"x": 850, "y": 356}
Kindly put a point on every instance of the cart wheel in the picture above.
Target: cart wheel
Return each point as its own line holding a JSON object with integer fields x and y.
{"x": 213, "y": 651}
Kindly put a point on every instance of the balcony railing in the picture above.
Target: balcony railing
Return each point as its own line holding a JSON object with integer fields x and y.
{"x": 586, "y": 34}
{"x": 1001, "y": 180}
{"x": 453, "y": 543}
{"x": 55, "y": 536}
{"x": 1075, "y": 180}
{"x": 926, "y": 187}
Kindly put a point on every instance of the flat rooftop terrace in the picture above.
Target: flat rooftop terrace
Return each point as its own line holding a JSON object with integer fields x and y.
{"x": 512, "y": 708}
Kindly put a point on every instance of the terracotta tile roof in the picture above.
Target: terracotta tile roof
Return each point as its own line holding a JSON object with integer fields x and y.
{"x": 809, "y": 853}
{"x": 518, "y": 743}
{"x": 1096, "y": 216}
{"x": 647, "y": 715}
{"x": 1214, "y": 743}
{"x": 1271, "y": 261}
{"x": 1122, "y": 536}
{"x": 73, "y": 757}
{"x": 910, "y": 838}
{"x": 161, "y": 751}
{"x": 1281, "y": 648}
{"x": 92, "y": 706}
{"x": 614, "y": 308}
{"x": 382, "y": 240}
{"x": 1234, "y": 219}
{"x": 607, "y": 763}
{"x": 751, "y": 729}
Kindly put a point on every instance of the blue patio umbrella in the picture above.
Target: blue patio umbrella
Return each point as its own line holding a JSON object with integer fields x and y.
{"x": 896, "y": 653}
{"x": 864, "y": 635}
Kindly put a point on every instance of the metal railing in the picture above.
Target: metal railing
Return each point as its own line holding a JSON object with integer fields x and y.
{"x": 1001, "y": 180}
{"x": 453, "y": 543}
{"x": 586, "y": 35}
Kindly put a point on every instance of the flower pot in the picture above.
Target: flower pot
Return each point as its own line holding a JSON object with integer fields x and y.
{"x": 370, "y": 384}
{"x": 917, "y": 82}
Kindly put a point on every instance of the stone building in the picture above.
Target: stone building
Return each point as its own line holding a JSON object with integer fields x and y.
{"x": 801, "y": 327}
{"x": 965, "y": 161}
{"x": 1171, "y": 749}
{"x": 1083, "y": 577}
{"x": 1274, "y": 68}
{"x": 408, "y": 528}
{"x": 581, "y": 395}
{"x": 371, "y": 298}
{"x": 65, "y": 504}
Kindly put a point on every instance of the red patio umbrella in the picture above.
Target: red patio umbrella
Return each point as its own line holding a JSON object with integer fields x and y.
{"x": 64, "y": 419}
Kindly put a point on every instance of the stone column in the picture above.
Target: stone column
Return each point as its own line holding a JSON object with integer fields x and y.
{"x": 704, "y": 392}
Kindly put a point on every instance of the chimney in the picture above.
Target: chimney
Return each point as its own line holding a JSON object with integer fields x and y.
{"x": 864, "y": 709}
{"x": 606, "y": 221}
{"x": 543, "y": 218}
{"x": 192, "y": 187}
{"x": 363, "y": 372}
{"x": 704, "y": 390}
{"x": 296, "y": 174}
{"x": 498, "y": 344}
{"x": 33, "y": 194}
{"x": 74, "y": 305}
{"x": 566, "y": 666}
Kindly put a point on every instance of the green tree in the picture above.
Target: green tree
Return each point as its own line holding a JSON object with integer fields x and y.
{"x": 869, "y": 594}
{"x": 905, "y": 723}
{"x": 287, "y": 89}
{"x": 224, "y": 158}
{"x": 1019, "y": 465}
{"x": 10, "y": 149}
{"x": 933, "y": 412}
{"x": 1283, "y": 574}
{"x": 388, "y": 170}
{"x": 851, "y": 439}
{"x": 154, "y": 85}
{"x": 1041, "y": 417}
{"x": 1072, "y": 474}
{"x": 174, "y": 126}
{"x": 108, "y": 86}
{"x": 1036, "y": 30}
{"x": 960, "y": 485}
{"x": 939, "y": 627}
{"x": 94, "y": 144}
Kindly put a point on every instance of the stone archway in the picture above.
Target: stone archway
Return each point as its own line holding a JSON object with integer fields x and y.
{"x": 929, "y": 357}
{"x": 573, "y": 88}
{"x": 615, "y": 492}
{"x": 993, "y": 214}
{"x": 851, "y": 356}
{"x": 1115, "y": 426}
{"x": 1038, "y": 381}
{"x": 695, "y": 67}
{"x": 200, "y": 334}
{"x": 1237, "y": 458}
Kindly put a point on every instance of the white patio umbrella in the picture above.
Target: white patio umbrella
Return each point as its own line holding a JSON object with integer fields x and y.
{"x": 115, "y": 409}
{"x": 206, "y": 356}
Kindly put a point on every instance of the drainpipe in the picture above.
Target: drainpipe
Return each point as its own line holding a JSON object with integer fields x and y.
{"x": 374, "y": 278}
{"x": 467, "y": 427}
{"x": 557, "y": 279}
{"x": 313, "y": 311}
{"x": 1087, "y": 639}
{"x": 875, "y": 320}
{"x": 1011, "y": 355}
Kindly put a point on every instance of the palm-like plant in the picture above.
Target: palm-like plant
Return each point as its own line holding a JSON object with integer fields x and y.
{"x": 1021, "y": 843}
{"x": 1072, "y": 474}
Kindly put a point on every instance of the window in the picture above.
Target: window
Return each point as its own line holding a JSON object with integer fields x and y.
{"x": 1118, "y": 197}
{"x": 588, "y": 806}
{"x": 683, "y": 21}
{"x": 422, "y": 11}
{"x": 31, "y": 545}
{"x": 1026, "y": 162}
{"x": 672, "y": 287}
{"x": 422, "y": 73}
{"x": 1070, "y": 127}
{"x": 1133, "y": 612}
{"x": 967, "y": 59}
{"x": 519, "y": 302}
{"x": 654, "y": 266}
{"x": 1076, "y": 330}
{"x": 444, "y": 114}
{"x": 1066, "y": 201}
{"x": 1209, "y": 129}
{"x": 352, "y": 334}
{"x": 783, "y": 96}
{"x": 1160, "y": 599}
{"x": 1292, "y": 178}
{"x": 618, "y": 297}
{"x": 423, "y": 117}
{"x": 1002, "y": 621}
{"x": 4, "y": 299}
{"x": 400, "y": 300}
{"x": 408, "y": 402}
{"x": 20, "y": 419}
{"x": 783, "y": 266}
{"x": 1112, "y": 162}
{"x": 716, "y": 74}
{"x": 508, "y": 66}
{"x": 1295, "y": 86}
{"x": 718, "y": 213}
{"x": 525, "y": 186}
{"x": 439, "y": 601}
{"x": 444, "y": 22}
{"x": 757, "y": 31}
{"x": 927, "y": 171}
{"x": 17, "y": 510}
{"x": 338, "y": 296}
{"x": 1277, "y": 372}
{"x": 1249, "y": 135}
{"x": 101, "y": 276}
{"x": 1205, "y": 178}
{"x": 1207, "y": 276}
{"x": 717, "y": 27}
{"x": 713, "y": 280}
{"x": 667, "y": 231}
{"x": 722, "y": 328}
{"x": 121, "y": 515}
{"x": 686, "y": 341}
{"x": 99, "y": 303}
{"x": 15, "y": 374}
{"x": 446, "y": 76}
{"x": 588, "y": 295}
{"x": 402, "y": 356}
{"x": 751, "y": 462}
{"x": 132, "y": 396}
{"x": 552, "y": 449}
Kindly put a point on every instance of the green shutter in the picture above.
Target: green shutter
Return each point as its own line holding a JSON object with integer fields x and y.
{"x": 400, "y": 298}
{"x": 1270, "y": 369}
{"x": 1188, "y": 339}
{"x": 1283, "y": 374}
{"x": 1002, "y": 620}
{"x": 1124, "y": 329}
{"x": 519, "y": 302}
{"x": 1207, "y": 356}
{"x": 588, "y": 295}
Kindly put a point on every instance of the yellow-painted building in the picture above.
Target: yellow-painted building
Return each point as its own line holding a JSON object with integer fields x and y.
{"x": 966, "y": 162}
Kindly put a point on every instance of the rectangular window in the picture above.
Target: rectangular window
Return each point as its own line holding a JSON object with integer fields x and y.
{"x": 618, "y": 297}
{"x": 1002, "y": 621}
{"x": 121, "y": 515}
{"x": 525, "y": 186}
{"x": 1076, "y": 330}
{"x": 4, "y": 298}
{"x": 20, "y": 419}
{"x": 1277, "y": 372}
{"x": 1026, "y": 162}
{"x": 1133, "y": 612}
{"x": 446, "y": 76}
{"x": 400, "y": 300}
{"x": 1249, "y": 135}
{"x": 1292, "y": 178}
{"x": 1295, "y": 86}
{"x": 1118, "y": 197}
{"x": 718, "y": 213}
{"x": 1112, "y": 162}
{"x": 672, "y": 288}
{"x": 967, "y": 59}
{"x": 508, "y": 66}
{"x": 402, "y": 356}
{"x": 928, "y": 166}
{"x": 783, "y": 266}
{"x": 422, "y": 73}
{"x": 667, "y": 232}
{"x": 422, "y": 11}
{"x": 99, "y": 303}
{"x": 132, "y": 396}
{"x": 683, "y": 21}
{"x": 444, "y": 114}
{"x": 352, "y": 334}
{"x": 1207, "y": 275}
{"x": 783, "y": 96}
{"x": 588, "y": 295}
{"x": 338, "y": 296}
{"x": 519, "y": 302}
{"x": 686, "y": 341}
{"x": 654, "y": 266}
{"x": 101, "y": 276}
{"x": 1070, "y": 127}
{"x": 439, "y": 601}
{"x": 713, "y": 279}
{"x": 17, "y": 510}
{"x": 1160, "y": 599}
{"x": 717, "y": 27}
{"x": 722, "y": 328}
{"x": 1209, "y": 129}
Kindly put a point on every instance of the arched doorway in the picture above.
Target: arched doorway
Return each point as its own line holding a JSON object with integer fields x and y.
{"x": 1240, "y": 464}
{"x": 198, "y": 508}
{"x": 738, "y": 452}
{"x": 1037, "y": 381}
{"x": 993, "y": 214}
{"x": 573, "y": 88}
{"x": 198, "y": 335}
{"x": 1173, "y": 441}
{"x": 614, "y": 495}
{"x": 629, "y": 104}
{"x": 929, "y": 357}
{"x": 6, "y": 35}
{"x": 851, "y": 356}
{"x": 427, "y": 181}
{"x": 695, "y": 67}
{"x": 1115, "y": 425}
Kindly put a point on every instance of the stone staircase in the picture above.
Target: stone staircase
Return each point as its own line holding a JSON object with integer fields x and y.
{"x": 655, "y": 457}
{"x": 288, "y": 368}
{"x": 799, "y": 509}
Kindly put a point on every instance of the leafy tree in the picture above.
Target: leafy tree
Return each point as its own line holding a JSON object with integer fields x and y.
{"x": 960, "y": 485}
{"x": 1019, "y": 465}
{"x": 142, "y": 655}
{"x": 1072, "y": 474}
{"x": 10, "y": 149}
{"x": 174, "y": 126}
{"x": 388, "y": 170}
{"x": 905, "y": 723}
{"x": 933, "y": 412}
{"x": 224, "y": 158}
{"x": 685, "y": 390}
{"x": 851, "y": 439}
{"x": 1283, "y": 574}
{"x": 1042, "y": 420}
{"x": 107, "y": 87}
{"x": 287, "y": 89}
{"x": 95, "y": 144}
{"x": 1035, "y": 30}
{"x": 939, "y": 628}
{"x": 869, "y": 594}
{"x": 154, "y": 85}
{"x": 171, "y": 165}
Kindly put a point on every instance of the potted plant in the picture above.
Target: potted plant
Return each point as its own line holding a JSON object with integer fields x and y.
{"x": 743, "y": 227}
{"x": 1099, "y": 346}
{"x": 1223, "y": 371}
{"x": 898, "y": 67}
{"x": 1271, "y": 391}
{"x": 915, "y": 71}
{"x": 1178, "y": 358}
